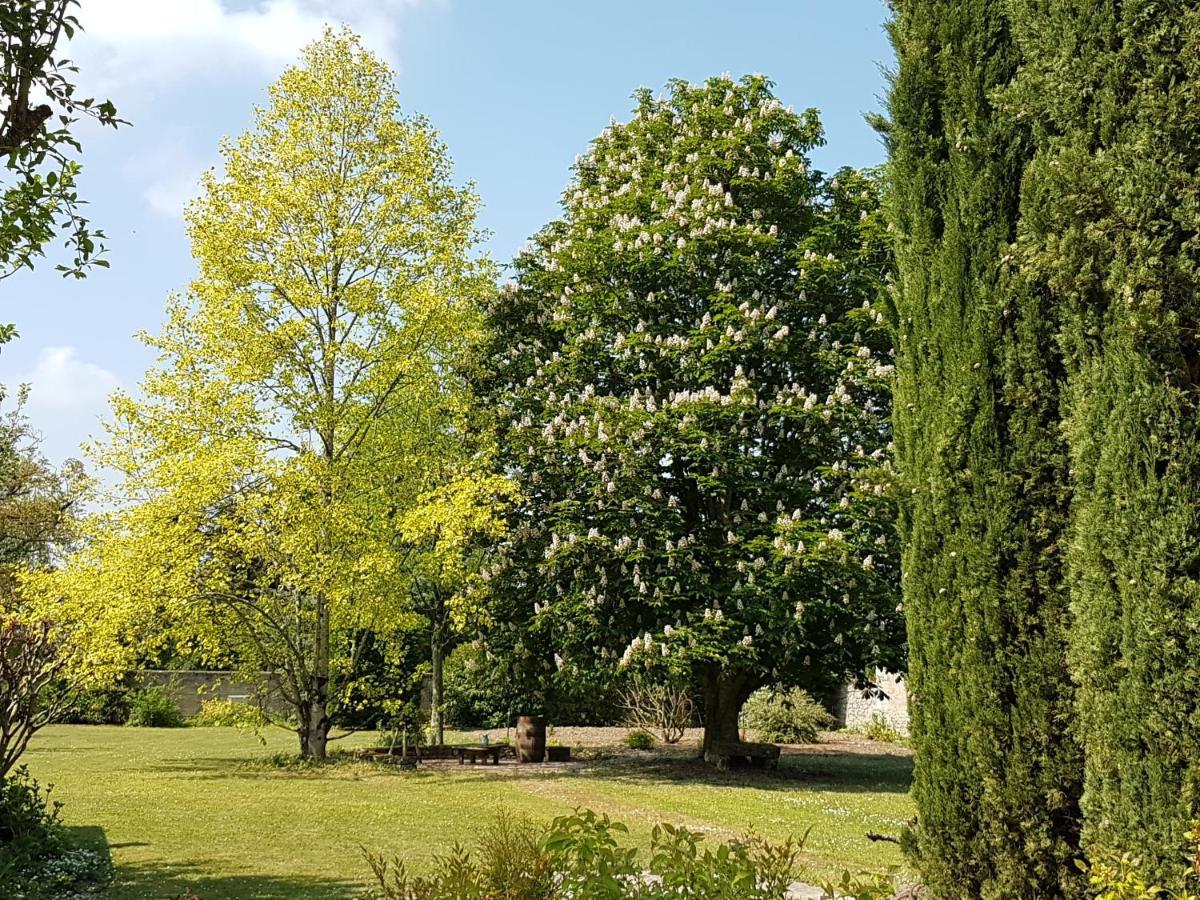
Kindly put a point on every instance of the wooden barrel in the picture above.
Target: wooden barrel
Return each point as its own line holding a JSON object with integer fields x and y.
{"x": 531, "y": 739}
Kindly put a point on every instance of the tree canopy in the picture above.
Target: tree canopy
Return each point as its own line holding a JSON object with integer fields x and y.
{"x": 690, "y": 374}
{"x": 338, "y": 284}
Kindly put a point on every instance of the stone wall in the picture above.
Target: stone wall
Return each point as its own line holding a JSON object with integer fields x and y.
{"x": 189, "y": 688}
{"x": 853, "y": 707}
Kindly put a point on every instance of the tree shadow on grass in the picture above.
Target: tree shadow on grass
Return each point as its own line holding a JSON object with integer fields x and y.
{"x": 827, "y": 770}
{"x": 158, "y": 881}
{"x": 830, "y": 769}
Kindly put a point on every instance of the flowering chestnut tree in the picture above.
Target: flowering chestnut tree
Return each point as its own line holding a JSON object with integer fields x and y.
{"x": 691, "y": 379}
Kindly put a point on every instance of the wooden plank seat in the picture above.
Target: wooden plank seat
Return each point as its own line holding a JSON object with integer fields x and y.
{"x": 727, "y": 754}
{"x": 479, "y": 753}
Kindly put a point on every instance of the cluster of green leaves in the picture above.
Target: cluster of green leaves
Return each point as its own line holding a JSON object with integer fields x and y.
{"x": 39, "y": 165}
{"x": 691, "y": 382}
{"x": 220, "y": 713}
{"x": 581, "y": 856}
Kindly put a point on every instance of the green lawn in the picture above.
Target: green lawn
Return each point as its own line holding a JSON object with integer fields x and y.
{"x": 196, "y": 809}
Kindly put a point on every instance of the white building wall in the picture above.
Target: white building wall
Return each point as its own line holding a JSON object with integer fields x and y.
{"x": 853, "y": 707}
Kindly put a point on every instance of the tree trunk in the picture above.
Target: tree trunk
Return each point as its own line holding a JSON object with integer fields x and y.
{"x": 436, "y": 723}
{"x": 312, "y": 712}
{"x": 724, "y": 696}
{"x": 318, "y": 730}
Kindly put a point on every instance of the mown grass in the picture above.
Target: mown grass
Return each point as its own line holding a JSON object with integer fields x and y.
{"x": 202, "y": 810}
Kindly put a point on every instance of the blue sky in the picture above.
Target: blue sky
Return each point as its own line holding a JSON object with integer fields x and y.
{"x": 517, "y": 88}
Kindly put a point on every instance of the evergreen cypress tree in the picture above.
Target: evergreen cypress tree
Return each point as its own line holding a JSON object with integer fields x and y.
{"x": 1110, "y": 222}
{"x": 984, "y": 467}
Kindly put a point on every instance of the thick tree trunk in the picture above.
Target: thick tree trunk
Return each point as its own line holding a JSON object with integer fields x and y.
{"x": 724, "y": 696}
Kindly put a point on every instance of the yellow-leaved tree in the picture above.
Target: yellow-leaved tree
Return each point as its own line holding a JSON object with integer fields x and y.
{"x": 296, "y": 383}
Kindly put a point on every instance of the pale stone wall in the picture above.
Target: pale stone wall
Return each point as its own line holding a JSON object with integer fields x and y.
{"x": 188, "y": 688}
{"x": 853, "y": 707}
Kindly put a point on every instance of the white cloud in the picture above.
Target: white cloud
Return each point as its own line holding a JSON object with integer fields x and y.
{"x": 168, "y": 174}
{"x": 148, "y": 43}
{"x": 67, "y": 398}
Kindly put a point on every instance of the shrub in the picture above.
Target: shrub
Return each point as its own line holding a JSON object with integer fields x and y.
{"x": 219, "y": 713}
{"x": 785, "y": 717}
{"x": 109, "y": 707}
{"x": 36, "y": 858}
{"x": 639, "y": 739}
{"x": 581, "y": 857}
{"x": 664, "y": 707}
{"x": 880, "y": 729}
{"x": 153, "y": 707}
{"x": 483, "y": 690}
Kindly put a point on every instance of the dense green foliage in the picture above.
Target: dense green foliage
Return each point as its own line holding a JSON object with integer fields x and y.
{"x": 692, "y": 384}
{"x": 984, "y": 468}
{"x": 153, "y": 707}
{"x": 1110, "y": 217}
{"x": 480, "y": 692}
{"x": 785, "y": 717}
{"x": 582, "y": 857}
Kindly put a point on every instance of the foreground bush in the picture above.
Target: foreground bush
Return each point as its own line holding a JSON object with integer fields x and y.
{"x": 153, "y": 707}
{"x": 785, "y": 717}
{"x": 1126, "y": 878}
{"x": 581, "y": 857}
{"x": 36, "y": 858}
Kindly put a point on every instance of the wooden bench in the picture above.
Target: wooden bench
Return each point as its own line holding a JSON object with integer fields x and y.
{"x": 727, "y": 754}
{"x": 413, "y": 752}
{"x": 480, "y": 753}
